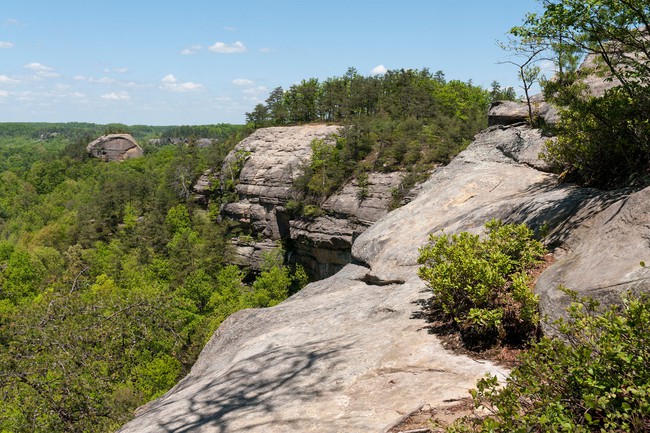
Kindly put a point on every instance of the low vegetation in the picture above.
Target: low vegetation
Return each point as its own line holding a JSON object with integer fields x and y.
{"x": 594, "y": 378}
{"x": 481, "y": 286}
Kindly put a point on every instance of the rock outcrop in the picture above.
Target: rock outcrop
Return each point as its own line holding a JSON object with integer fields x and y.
{"x": 114, "y": 147}
{"x": 263, "y": 168}
{"x": 350, "y": 353}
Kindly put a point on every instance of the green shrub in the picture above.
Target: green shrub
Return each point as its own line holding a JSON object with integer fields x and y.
{"x": 604, "y": 141}
{"x": 481, "y": 286}
{"x": 594, "y": 379}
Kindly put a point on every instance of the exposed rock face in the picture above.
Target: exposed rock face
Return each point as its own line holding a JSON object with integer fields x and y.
{"x": 114, "y": 147}
{"x": 512, "y": 112}
{"x": 347, "y": 354}
{"x": 264, "y": 167}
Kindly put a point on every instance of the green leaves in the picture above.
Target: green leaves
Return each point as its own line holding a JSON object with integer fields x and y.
{"x": 595, "y": 378}
{"x": 481, "y": 283}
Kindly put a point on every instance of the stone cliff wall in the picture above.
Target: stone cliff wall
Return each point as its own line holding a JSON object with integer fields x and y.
{"x": 264, "y": 167}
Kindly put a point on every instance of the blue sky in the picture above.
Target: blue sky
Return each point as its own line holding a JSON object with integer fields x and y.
{"x": 171, "y": 62}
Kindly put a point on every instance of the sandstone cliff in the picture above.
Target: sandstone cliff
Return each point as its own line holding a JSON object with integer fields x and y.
{"x": 263, "y": 168}
{"x": 350, "y": 353}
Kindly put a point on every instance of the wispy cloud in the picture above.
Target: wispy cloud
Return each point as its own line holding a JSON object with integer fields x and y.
{"x": 4, "y": 79}
{"x": 230, "y": 29}
{"x": 224, "y": 48}
{"x": 255, "y": 90}
{"x": 379, "y": 70}
{"x": 41, "y": 71}
{"x": 170, "y": 83}
{"x": 116, "y": 70}
{"x": 117, "y": 96}
{"x": 3, "y": 93}
{"x": 243, "y": 82}
{"x": 266, "y": 50}
{"x": 38, "y": 67}
{"x": 10, "y": 22}
{"x": 193, "y": 49}
{"x": 6, "y": 44}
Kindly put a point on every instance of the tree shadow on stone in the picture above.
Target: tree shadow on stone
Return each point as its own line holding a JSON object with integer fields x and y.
{"x": 252, "y": 389}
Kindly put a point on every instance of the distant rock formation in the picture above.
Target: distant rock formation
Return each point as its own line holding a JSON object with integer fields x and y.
{"x": 114, "y": 147}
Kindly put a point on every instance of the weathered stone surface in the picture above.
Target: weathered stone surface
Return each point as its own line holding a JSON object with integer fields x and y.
{"x": 512, "y": 112}
{"x": 250, "y": 254}
{"x": 604, "y": 254}
{"x": 340, "y": 356}
{"x": 274, "y": 157}
{"x": 270, "y": 160}
{"x": 367, "y": 209}
{"x": 114, "y": 147}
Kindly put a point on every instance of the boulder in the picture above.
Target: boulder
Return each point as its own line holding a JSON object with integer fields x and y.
{"x": 114, "y": 147}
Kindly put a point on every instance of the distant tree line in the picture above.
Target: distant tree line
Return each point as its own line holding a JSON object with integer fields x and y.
{"x": 405, "y": 120}
{"x": 398, "y": 93}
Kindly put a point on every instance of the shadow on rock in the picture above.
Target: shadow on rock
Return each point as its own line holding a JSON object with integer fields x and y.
{"x": 252, "y": 389}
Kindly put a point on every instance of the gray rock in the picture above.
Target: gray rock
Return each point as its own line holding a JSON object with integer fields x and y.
{"x": 369, "y": 207}
{"x": 250, "y": 254}
{"x": 114, "y": 147}
{"x": 604, "y": 254}
{"x": 273, "y": 160}
{"x": 512, "y": 112}
{"x": 340, "y": 356}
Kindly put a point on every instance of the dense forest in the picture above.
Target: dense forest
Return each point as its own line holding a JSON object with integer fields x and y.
{"x": 111, "y": 278}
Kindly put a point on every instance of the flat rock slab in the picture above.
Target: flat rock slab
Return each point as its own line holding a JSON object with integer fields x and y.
{"x": 340, "y": 356}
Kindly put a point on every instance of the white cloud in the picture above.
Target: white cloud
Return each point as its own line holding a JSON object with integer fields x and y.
{"x": 170, "y": 83}
{"x": 191, "y": 50}
{"x": 230, "y": 29}
{"x": 116, "y": 70}
{"x": 243, "y": 82}
{"x": 103, "y": 80}
{"x": 223, "y": 48}
{"x": 117, "y": 96}
{"x": 6, "y": 44}
{"x": 379, "y": 70}
{"x": 7, "y": 80}
{"x": 41, "y": 71}
{"x": 3, "y": 93}
{"x": 255, "y": 90}
{"x": 38, "y": 67}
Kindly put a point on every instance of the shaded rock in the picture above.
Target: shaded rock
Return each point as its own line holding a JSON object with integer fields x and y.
{"x": 114, "y": 147}
{"x": 604, "y": 254}
{"x": 365, "y": 205}
{"x": 250, "y": 254}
